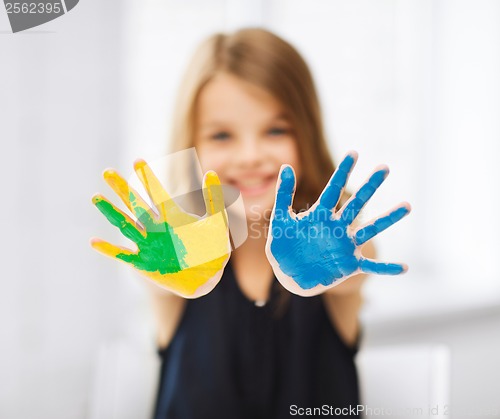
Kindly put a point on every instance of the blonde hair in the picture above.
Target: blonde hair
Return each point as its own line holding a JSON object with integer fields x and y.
{"x": 267, "y": 61}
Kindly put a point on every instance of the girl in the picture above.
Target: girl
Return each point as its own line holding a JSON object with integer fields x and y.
{"x": 249, "y": 348}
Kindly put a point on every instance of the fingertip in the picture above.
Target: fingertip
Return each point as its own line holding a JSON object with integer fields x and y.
{"x": 286, "y": 172}
{"x": 381, "y": 171}
{"x": 211, "y": 178}
{"x": 286, "y": 180}
{"x": 384, "y": 168}
{"x": 284, "y": 166}
{"x": 110, "y": 175}
{"x": 404, "y": 268}
{"x": 108, "y": 172}
{"x": 96, "y": 198}
{"x": 402, "y": 210}
{"x": 139, "y": 164}
{"x": 94, "y": 242}
{"x": 352, "y": 155}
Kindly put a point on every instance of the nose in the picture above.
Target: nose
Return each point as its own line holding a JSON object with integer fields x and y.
{"x": 249, "y": 153}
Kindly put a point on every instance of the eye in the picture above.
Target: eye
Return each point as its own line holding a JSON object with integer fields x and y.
{"x": 276, "y": 131}
{"x": 221, "y": 136}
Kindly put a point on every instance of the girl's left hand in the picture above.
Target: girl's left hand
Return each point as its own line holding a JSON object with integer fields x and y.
{"x": 318, "y": 249}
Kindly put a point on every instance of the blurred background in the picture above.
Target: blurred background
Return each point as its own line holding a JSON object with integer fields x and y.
{"x": 414, "y": 84}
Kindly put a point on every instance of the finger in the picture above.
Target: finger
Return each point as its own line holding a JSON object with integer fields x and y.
{"x": 333, "y": 190}
{"x": 212, "y": 193}
{"x": 356, "y": 203}
{"x": 118, "y": 219}
{"x": 109, "y": 249}
{"x": 285, "y": 191}
{"x": 129, "y": 196}
{"x": 369, "y": 266}
{"x": 160, "y": 197}
{"x": 381, "y": 223}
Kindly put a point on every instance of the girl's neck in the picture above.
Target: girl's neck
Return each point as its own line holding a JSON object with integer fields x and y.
{"x": 255, "y": 244}
{"x": 252, "y": 269}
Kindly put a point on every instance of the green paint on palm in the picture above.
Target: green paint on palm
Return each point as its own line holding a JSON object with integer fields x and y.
{"x": 160, "y": 250}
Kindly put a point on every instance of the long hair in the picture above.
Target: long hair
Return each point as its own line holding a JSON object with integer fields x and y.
{"x": 269, "y": 62}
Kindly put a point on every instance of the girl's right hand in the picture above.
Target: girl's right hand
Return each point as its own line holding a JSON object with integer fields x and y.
{"x": 181, "y": 252}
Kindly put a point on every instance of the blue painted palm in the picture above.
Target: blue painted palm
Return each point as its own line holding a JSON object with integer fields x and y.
{"x": 318, "y": 249}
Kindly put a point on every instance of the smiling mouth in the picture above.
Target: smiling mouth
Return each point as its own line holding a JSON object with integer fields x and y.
{"x": 255, "y": 186}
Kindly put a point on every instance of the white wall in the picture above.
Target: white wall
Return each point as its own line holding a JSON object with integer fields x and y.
{"x": 60, "y": 112}
{"x": 473, "y": 341}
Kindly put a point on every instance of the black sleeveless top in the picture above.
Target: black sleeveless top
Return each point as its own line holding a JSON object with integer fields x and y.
{"x": 232, "y": 359}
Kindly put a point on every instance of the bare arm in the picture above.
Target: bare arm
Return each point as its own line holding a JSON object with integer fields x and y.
{"x": 167, "y": 310}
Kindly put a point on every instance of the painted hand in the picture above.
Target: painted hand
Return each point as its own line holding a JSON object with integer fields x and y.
{"x": 315, "y": 250}
{"x": 171, "y": 244}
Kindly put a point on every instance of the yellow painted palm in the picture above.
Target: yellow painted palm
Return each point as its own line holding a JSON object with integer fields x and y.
{"x": 181, "y": 252}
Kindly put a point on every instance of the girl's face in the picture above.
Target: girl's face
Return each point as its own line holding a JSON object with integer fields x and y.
{"x": 242, "y": 132}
